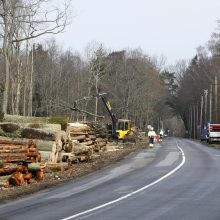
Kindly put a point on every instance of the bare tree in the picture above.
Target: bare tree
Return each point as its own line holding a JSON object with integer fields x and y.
{"x": 97, "y": 62}
{"x": 38, "y": 17}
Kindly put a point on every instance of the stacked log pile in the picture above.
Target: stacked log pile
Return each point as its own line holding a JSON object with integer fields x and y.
{"x": 48, "y": 136}
{"x": 15, "y": 151}
{"x": 82, "y": 141}
{"x": 19, "y": 162}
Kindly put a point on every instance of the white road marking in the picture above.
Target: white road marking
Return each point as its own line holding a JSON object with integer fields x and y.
{"x": 132, "y": 193}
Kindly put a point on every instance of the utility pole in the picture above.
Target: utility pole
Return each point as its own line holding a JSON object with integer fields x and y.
{"x": 191, "y": 116}
{"x": 189, "y": 122}
{"x": 197, "y": 119}
{"x": 201, "y": 108}
{"x": 216, "y": 99}
{"x": 190, "y": 119}
{"x": 210, "y": 104}
{"x": 194, "y": 121}
{"x": 205, "y": 115}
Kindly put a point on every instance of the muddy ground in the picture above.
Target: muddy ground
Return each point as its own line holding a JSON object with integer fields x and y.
{"x": 78, "y": 170}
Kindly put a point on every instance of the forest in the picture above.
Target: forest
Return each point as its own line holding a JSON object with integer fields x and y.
{"x": 41, "y": 79}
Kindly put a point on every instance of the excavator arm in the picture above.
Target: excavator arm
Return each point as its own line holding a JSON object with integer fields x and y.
{"x": 107, "y": 105}
{"x": 112, "y": 115}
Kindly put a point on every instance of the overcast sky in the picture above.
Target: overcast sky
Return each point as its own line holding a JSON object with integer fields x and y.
{"x": 174, "y": 28}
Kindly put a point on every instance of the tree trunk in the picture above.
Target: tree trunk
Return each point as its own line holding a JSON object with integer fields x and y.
{"x": 96, "y": 99}
{"x": 18, "y": 88}
{"x": 25, "y": 78}
{"x": 31, "y": 83}
{"x": 8, "y": 35}
{"x": 6, "y": 52}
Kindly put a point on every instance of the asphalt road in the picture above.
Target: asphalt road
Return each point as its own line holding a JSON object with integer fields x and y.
{"x": 178, "y": 179}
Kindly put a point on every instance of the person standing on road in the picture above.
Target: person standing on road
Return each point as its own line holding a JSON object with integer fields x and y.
{"x": 151, "y": 134}
{"x": 161, "y": 135}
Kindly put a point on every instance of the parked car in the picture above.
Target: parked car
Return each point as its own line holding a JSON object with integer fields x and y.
{"x": 204, "y": 134}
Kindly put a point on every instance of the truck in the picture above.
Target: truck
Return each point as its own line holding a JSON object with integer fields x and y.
{"x": 213, "y": 133}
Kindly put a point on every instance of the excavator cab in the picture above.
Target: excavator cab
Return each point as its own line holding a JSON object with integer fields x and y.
{"x": 123, "y": 128}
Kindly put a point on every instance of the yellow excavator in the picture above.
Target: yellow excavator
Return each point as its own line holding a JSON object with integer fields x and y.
{"x": 124, "y": 129}
{"x": 121, "y": 129}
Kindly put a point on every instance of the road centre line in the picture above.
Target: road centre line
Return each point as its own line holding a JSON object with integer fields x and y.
{"x": 132, "y": 193}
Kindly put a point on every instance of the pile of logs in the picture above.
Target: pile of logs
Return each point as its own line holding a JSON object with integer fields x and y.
{"x": 27, "y": 144}
{"x": 19, "y": 162}
{"x": 81, "y": 142}
{"x": 15, "y": 151}
{"x": 48, "y": 136}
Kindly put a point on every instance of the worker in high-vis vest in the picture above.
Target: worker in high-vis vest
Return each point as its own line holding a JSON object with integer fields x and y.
{"x": 161, "y": 135}
{"x": 151, "y": 134}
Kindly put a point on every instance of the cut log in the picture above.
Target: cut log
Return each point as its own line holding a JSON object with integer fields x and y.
{"x": 39, "y": 175}
{"x": 4, "y": 181}
{"x": 36, "y": 120}
{"x": 46, "y": 145}
{"x": 48, "y": 156}
{"x": 17, "y": 141}
{"x": 22, "y": 119}
{"x": 19, "y": 157}
{"x": 63, "y": 136}
{"x": 80, "y": 149}
{"x": 78, "y": 138}
{"x": 33, "y": 167}
{"x": 77, "y": 133}
{"x": 14, "y": 151}
{"x": 8, "y": 169}
{"x": 65, "y": 157}
{"x": 77, "y": 127}
{"x": 101, "y": 140}
{"x": 55, "y": 167}
{"x": 92, "y": 137}
{"x": 27, "y": 177}
{"x": 88, "y": 143}
{"x": 101, "y": 144}
{"x": 9, "y": 127}
{"x": 5, "y": 156}
{"x": 44, "y": 133}
{"x": 91, "y": 133}
{"x": 16, "y": 179}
